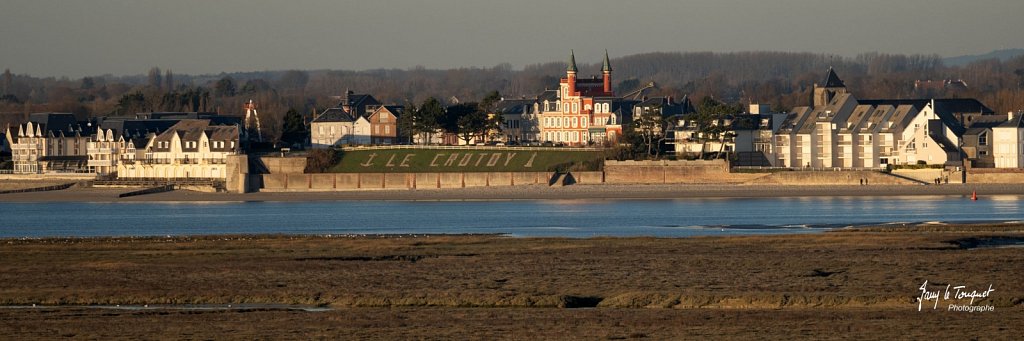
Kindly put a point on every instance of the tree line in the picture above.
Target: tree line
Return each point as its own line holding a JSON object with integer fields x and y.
{"x": 472, "y": 121}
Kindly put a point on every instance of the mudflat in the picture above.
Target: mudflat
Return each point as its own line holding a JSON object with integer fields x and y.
{"x": 856, "y": 283}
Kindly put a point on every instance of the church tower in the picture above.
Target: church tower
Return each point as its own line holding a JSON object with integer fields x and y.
{"x": 606, "y": 74}
{"x": 824, "y": 93}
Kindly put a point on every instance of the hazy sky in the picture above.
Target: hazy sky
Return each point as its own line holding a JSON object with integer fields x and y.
{"x": 92, "y": 37}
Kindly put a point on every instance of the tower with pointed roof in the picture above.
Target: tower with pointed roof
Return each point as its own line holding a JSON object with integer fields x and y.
{"x": 824, "y": 93}
{"x": 606, "y": 73}
{"x": 578, "y": 105}
{"x": 570, "y": 73}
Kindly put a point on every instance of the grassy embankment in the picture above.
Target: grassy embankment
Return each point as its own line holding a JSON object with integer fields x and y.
{"x": 466, "y": 160}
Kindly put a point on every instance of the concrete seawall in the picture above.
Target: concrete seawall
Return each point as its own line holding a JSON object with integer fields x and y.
{"x": 286, "y": 176}
{"x": 808, "y": 178}
{"x": 673, "y": 172}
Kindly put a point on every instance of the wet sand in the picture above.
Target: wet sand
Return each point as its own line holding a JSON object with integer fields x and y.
{"x": 860, "y": 284}
{"x": 530, "y": 192}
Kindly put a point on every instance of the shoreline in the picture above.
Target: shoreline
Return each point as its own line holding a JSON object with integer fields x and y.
{"x": 532, "y": 192}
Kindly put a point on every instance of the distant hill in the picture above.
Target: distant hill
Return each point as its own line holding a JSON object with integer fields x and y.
{"x": 1002, "y": 55}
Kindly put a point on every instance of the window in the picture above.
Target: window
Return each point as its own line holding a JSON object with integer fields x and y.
{"x": 387, "y": 129}
{"x": 983, "y": 139}
{"x": 575, "y": 108}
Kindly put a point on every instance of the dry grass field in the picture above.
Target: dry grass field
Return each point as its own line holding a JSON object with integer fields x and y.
{"x": 850, "y": 284}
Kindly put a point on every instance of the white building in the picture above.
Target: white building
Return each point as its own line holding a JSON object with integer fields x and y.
{"x": 1009, "y": 142}
{"x": 841, "y": 131}
{"x": 49, "y": 142}
{"x": 189, "y": 149}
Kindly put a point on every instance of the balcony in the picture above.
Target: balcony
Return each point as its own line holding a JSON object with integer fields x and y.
{"x": 100, "y": 163}
{"x": 206, "y": 161}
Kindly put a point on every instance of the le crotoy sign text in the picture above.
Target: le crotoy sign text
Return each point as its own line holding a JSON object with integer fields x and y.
{"x": 459, "y": 160}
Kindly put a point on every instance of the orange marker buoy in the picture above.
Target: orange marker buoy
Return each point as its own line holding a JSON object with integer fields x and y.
{"x": 974, "y": 195}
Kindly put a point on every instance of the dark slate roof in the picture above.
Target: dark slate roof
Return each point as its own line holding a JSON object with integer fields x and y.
{"x": 895, "y": 102}
{"x": 192, "y": 130}
{"x": 795, "y": 119}
{"x": 515, "y": 106}
{"x": 1016, "y": 122}
{"x": 951, "y": 111}
{"x": 334, "y": 115}
{"x": 130, "y": 128}
{"x": 903, "y": 115}
{"x": 60, "y": 124}
{"x": 548, "y": 95}
{"x": 607, "y": 67}
{"x": 572, "y": 61}
{"x": 981, "y": 123}
{"x": 860, "y": 115}
{"x": 175, "y": 115}
{"x": 833, "y": 81}
{"x": 962, "y": 105}
{"x": 668, "y": 108}
{"x": 396, "y": 110}
{"x": 878, "y": 116}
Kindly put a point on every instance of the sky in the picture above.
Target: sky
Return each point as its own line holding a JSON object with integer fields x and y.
{"x": 124, "y": 37}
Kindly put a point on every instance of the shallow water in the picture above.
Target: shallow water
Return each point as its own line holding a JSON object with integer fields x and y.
{"x": 566, "y": 218}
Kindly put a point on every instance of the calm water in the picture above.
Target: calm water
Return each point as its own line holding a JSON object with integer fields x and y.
{"x": 569, "y": 218}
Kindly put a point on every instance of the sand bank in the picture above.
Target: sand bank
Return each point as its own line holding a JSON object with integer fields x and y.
{"x": 532, "y": 192}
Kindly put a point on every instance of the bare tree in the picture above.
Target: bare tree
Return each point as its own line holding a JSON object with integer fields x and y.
{"x": 155, "y": 80}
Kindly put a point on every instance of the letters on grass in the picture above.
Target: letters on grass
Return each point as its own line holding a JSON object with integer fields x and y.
{"x": 455, "y": 159}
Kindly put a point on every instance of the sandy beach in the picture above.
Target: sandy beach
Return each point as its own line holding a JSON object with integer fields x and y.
{"x": 529, "y": 193}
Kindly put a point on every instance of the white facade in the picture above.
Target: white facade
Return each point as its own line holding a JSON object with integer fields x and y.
{"x": 36, "y": 149}
{"x": 191, "y": 149}
{"x": 104, "y": 151}
{"x": 1009, "y": 142}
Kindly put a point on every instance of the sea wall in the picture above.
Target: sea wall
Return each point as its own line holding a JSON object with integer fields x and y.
{"x": 992, "y": 175}
{"x": 797, "y": 178}
{"x": 285, "y": 175}
{"x": 673, "y": 172}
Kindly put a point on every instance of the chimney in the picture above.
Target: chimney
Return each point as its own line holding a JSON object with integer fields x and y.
{"x": 1010, "y": 115}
